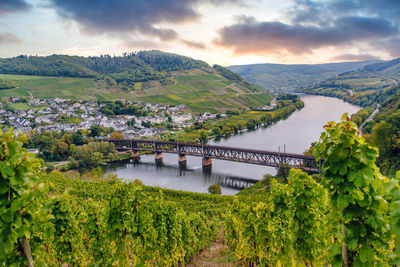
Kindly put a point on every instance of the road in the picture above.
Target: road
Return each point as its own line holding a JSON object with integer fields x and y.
{"x": 370, "y": 117}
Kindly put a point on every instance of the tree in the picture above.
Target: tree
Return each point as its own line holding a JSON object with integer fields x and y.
{"x": 95, "y": 130}
{"x": 203, "y": 138}
{"x": 381, "y": 138}
{"x": 61, "y": 149}
{"x": 77, "y": 138}
{"x": 116, "y": 135}
{"x": 214, "y": 189}
{"x": 283, "y": 170}
{"x": 216, "y": 131}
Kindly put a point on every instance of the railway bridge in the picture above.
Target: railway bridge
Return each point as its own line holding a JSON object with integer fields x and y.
{"x": 209, "y": 152}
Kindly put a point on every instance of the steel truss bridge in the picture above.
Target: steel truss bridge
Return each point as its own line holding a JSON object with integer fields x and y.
{"x": 208, "y": 152}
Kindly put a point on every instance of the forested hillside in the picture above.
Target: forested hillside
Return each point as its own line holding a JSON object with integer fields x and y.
{"x": 129, "y": 68}
{"x": 383, "y": 132}
{"x": 151, "y": 76}
{"x": 371, "y": 84}
{"x": 290, "y": 77}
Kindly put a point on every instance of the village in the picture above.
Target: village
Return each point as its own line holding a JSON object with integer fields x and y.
{"x": 62, "y": 115}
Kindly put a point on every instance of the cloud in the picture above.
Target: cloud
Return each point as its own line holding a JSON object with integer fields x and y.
{"x": 355, "y": 57}
{"x": 9, "y": 6}
{"x": 391, "y": 46}
{"x": 250, "y": 36}
{"x": 323, "y": 12}
{"x": 8, "y": 37}
{"x": 196, "y": 45}
{"x": 381, "y": 8}
{"x": 314, "y": 24}
{"x": 132, "y": 16}
{"x": 142, "y": 44}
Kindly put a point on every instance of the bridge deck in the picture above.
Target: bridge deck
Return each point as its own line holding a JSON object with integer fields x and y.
{"x": 251, "y": 156}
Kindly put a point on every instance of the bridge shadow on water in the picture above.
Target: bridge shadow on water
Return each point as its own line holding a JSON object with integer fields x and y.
{"x": 195, "y": 179}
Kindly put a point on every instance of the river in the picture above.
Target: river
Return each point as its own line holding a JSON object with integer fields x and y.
{"x": 294, "y": 135}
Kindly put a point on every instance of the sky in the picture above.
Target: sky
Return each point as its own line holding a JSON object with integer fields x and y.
{"x": 225, "y": 32}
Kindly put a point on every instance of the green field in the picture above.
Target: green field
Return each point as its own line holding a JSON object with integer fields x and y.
{"x": 20, "y": 106}
{"x": 63, "y": 87}
{"x": 201, "y": 92}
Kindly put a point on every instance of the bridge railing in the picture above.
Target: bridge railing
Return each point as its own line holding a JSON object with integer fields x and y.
{"x": 252, "y": 156}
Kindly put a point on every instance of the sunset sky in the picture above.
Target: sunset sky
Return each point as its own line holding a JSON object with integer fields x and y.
{"x": 225, "y": 32}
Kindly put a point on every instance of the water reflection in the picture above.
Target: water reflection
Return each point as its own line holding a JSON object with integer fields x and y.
{"x": 168, "y": 175}
{"x": 296, "y": 134}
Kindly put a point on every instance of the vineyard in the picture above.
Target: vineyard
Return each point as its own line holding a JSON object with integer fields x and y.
{"x": 348, "y": 217}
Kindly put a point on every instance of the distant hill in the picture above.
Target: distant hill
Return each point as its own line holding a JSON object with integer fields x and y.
{"x": 151, "y": 76}
{"x": 371, "y": 84}
{"x": 278, "y": 77}
{"x": 128, "y": 69}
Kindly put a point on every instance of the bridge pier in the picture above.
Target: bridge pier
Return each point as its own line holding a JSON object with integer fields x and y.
{"x": 250, "y": 156}
{"x": 135, "y": 156}
{"x": 207, "y": 162}
{"x": 158, "y": 157}
{"x": 182, "y": 160}
{"x": 207, "y": 166}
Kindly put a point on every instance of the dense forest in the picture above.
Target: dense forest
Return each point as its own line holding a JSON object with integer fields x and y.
{"x": 125, "y": 70}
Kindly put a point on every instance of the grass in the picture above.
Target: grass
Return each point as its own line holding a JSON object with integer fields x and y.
{"x": 63, "y": 87}
{"x": 199, "y": 77}
{"x": 217, "y": 254}
{"x": 256, "y": 189}
{"x": 20, "y": 106}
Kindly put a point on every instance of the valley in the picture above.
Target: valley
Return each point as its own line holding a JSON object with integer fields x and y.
{"x": 177, "y": 207}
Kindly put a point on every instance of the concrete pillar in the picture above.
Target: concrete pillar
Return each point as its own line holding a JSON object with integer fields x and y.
{"x": 207, "y": 162}
{"x": 182, "y": 160}
{"x": 207, "y": 165}
{"x": 135, "y": 156}
{"x": 158, "y": 157}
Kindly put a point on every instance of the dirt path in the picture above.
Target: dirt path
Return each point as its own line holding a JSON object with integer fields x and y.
{"x": 214, "y": 255}
{"x": 30, "y": 94}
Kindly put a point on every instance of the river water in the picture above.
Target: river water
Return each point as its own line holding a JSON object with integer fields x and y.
{"x": 293, "y": 135}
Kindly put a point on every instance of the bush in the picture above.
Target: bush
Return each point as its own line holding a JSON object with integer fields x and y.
{"x": 214, "y": 189}
{"x": 49, "y": 168}
{"x": 138, "y": 182}
{"x": 283, "y": 170}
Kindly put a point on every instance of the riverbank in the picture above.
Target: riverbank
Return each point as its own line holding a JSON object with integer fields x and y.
{"x": 238, "y": 123}
{"x": 296, "y": 133}
{"x": 68, "y": 165}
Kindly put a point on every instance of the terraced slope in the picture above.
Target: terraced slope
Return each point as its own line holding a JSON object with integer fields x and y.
{"x": 371, "y": 84}
{"x": 150, "y": 76}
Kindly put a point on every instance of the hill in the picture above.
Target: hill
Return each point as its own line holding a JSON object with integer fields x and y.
{"x": 383, "y": 132}
{"x": 151, "y": 76}
{"x": 371, "y": 84}
{"x": 279, "y": 77}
